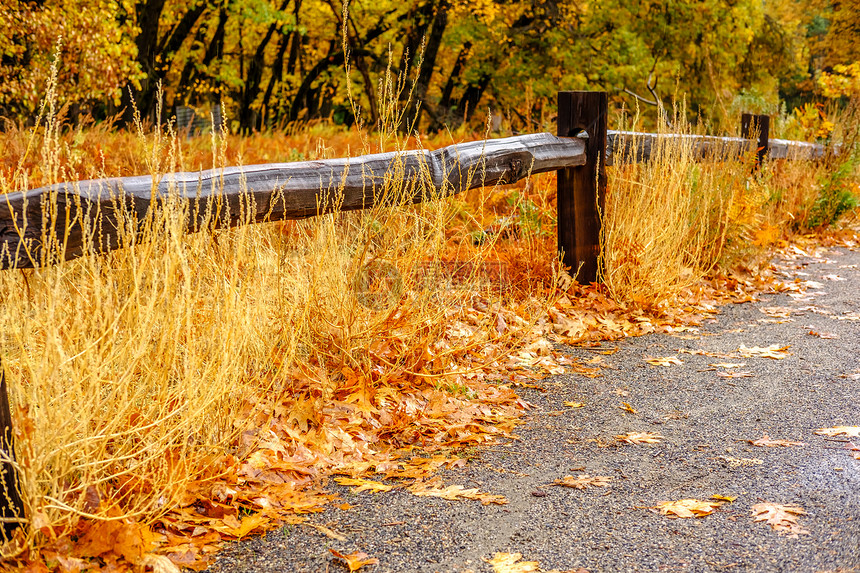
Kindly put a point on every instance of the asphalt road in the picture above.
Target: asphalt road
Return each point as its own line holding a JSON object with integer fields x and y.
{"x": 707, "y": 423}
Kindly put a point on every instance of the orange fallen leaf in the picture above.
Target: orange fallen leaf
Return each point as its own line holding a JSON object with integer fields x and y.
{"x": 782, "y": 518}
{"x": 583, "y": 481}
{"x": 355, "y": 561}
{"x": 574, "y": 404}
{"x": 686, "y": 508}
{"x": 639, "y": 438}
{"x": 766, "y": 442}
{"x": 824, "y": 335}
{"x": 628, "y": 408}
{"x": 728, "y": 365}
{"x": 850, "y": 431}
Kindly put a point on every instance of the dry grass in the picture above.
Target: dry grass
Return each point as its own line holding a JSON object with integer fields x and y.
{"x": 675, "y": 219}
{"x": 133, "y": 374}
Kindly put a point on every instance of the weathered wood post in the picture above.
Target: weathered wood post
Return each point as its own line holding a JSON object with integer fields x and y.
{"x": 582, "y": 190}
{"x": 11, "y": 505}
{"x": 753, "y": 125}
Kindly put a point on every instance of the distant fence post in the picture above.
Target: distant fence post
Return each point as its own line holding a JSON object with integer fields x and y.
{"x": 582, "y": 190}
{"x": 752, "y": 125}
{"x": 11, "y": 505}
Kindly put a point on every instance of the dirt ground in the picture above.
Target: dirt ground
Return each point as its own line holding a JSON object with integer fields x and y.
{"x": 707, "y": 416}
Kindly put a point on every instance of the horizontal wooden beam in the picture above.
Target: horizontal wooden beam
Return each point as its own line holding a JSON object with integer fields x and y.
{"x": 78, "y": 218}
{"x": 638, "y": 147}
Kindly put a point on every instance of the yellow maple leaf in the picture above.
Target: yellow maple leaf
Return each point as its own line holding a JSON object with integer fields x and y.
{"x": 639, "y": 438}
{"x": 364, "y": 484}
{"x": 583, "y": 481}
{"x": 574, "y": 404}
{"x": 686, "y": 508}
{"x": 850, "y": 431}
{"x": 355, "y": 561}
{"x": 782, "y": 518}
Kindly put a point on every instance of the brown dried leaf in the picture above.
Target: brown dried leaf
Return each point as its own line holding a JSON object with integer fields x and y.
{"x": 639, "y": 438}
{"x": 766, "y": 442}
{"x": 583, "y": 481}
{"x": 456, "y": 493}
{"x": 850, "y": 431}
{"x": 355, "y": 561}
{"x": 686, "y": 508}
{"x": 662, "y": 360}
{"x": 782, "y": 518}
{"x": 774, "y": 351}
{"x": 732, "y": 374}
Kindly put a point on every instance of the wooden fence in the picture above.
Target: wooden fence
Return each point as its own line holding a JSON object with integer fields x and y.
{"x": 44, "y": 226}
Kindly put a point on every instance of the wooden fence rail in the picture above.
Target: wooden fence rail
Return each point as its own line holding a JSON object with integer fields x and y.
{"x": 44, "y": 226}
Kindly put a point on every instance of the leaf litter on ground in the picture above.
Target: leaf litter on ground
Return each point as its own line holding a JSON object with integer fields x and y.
{"x": 781, "y": 518}
{"x": 583, "y": 481}
{"x": 639, "y": 438}
{"x": 687, "y": 508}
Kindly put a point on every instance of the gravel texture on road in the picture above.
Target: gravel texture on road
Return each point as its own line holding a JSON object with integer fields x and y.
{"x": 707, "y": 423}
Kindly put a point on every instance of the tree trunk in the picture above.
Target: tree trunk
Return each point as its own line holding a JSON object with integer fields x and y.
{"x": 428, "y": 62}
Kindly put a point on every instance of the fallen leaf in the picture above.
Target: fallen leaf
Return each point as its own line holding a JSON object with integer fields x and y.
{"x": 686, "y": 508}
{"x": 628, "y": 408}
{"x": 766, "y": 442}
{"x": 854, "y": 449}
{"x": 774, "y": 351}
{"x": 159, "y": 563}
{"x": 733, "y": 374}
{"x": 639, "y": 438}
{"x": 355, "y": 561}
{"x": 850, "y": 431}
{"x": 510, "y": 563}
{"x": 782, "y": 518}
{"x": 729, "y": 498}
{"x": 663, "y": 360}
{"x": 778, "y": 311}
{"x": 824, "y": 335}
{"x": 741, "y": 462}
{"x": 583, "y": 481}
{"x": 574, "y": 404}
{"x": 364, "y": 484}
{"x": 327, "y": 532}
{"x": 728, "y": 364}
{"x": 457, "y": 492}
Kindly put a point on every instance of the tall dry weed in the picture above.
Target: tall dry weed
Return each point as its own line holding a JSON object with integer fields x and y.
{"x": 668, "y": 220}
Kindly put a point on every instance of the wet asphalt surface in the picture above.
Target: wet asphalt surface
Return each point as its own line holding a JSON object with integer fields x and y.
{"x": 704, "y": 420}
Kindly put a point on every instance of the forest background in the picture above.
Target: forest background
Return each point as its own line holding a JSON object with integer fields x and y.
{"x": 272, "y": 63}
